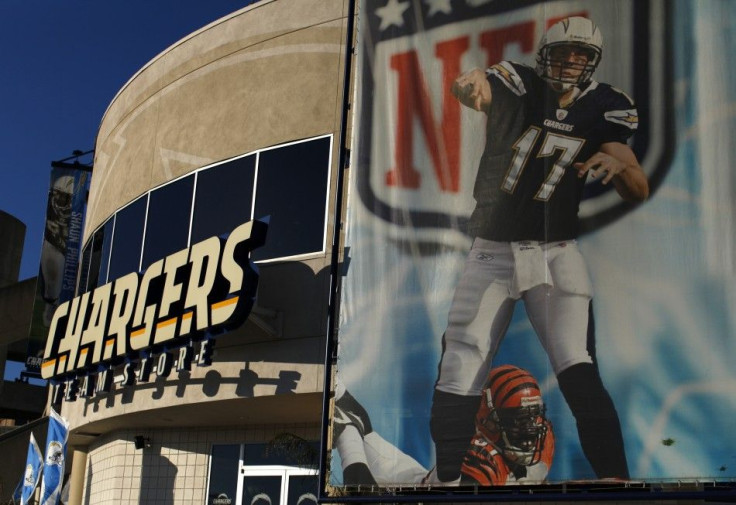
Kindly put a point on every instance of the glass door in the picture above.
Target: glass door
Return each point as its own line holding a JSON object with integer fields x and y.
{"x": 302, "y": 488}
{"x": 277, "y": 486}
{"x": 261, "y": 488}
{"x": 254, "y": 474}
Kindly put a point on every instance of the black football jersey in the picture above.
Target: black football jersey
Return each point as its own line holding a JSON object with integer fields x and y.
{"x": 527, "y": 187}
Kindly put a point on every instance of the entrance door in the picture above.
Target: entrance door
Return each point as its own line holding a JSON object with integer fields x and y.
{"x": 253, "y": 474}
{"x": 277, "y": 485}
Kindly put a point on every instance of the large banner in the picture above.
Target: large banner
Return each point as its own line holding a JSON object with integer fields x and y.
{"x": 57, "y": 275}
{"x": 541, "y": 236}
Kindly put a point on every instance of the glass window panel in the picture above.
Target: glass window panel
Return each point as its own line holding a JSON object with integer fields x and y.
{"x": 167, "y": 227}
{"x": 259, "y": 455}
{"x": 126, "y": 248}
{"x": 84, "y": 266}
{"x": 93, "y": 268}
{"x": 223, "y": 474}
{"x": 262, "y": 490}
{"x": 302, "y": 490}
{"x": 291, "y": 452}
{"x": 224, "y": 198}
{"x": 106, "y": 247}
{"x": 292, "y": 189}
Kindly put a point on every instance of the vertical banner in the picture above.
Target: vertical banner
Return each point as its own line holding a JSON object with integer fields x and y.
{"x": 54, "y": 460}
{"x": 34, "y": 463}
{"x": 540, "y": 227}
{"x": 60, "y": 252}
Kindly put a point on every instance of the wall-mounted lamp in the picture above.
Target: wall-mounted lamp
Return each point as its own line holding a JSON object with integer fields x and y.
{"x": 141, "y": 441}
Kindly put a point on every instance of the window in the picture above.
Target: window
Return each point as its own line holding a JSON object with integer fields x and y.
{"x": 224, "y": 198}
{"x": 84, "y": 266}
{"x": 105, "y": 254}
{"x": 287, "y": 184}
{"x": 223, "y": 473}
{"x": 302, "y": 490}
{"x": 292, "y": 189}
{"x": 94, "y": 259}
{"x": 167, "y": 223}
{"x": 125, "y": 256}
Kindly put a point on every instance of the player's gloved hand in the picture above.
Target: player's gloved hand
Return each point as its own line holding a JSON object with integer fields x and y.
{"x": 481, "y": 466}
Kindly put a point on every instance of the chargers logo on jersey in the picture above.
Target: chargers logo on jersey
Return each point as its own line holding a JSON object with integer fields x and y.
{"x": 628, "y": 118}
{"x": 509, "y": 77}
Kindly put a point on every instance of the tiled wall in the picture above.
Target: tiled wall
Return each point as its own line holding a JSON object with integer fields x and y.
{"x": 172, "y": 471}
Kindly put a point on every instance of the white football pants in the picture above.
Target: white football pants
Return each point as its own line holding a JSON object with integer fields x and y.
{"x": 554, "y": 284}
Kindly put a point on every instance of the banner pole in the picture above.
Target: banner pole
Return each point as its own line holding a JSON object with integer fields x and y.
{"x": 335, "y": 267}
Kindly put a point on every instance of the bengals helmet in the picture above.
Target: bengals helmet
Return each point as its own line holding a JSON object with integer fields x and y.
{"x": 578, "y": 33}
{"x": 512, "y": 414}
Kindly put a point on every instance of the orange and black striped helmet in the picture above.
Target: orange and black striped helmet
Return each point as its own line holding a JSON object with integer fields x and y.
{"x": 512, "y": 414}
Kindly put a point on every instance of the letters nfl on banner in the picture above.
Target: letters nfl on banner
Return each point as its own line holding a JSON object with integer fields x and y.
{"x": 417, "y": 149}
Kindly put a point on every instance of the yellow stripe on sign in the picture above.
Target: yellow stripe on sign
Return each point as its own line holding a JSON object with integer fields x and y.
{"x": 225, "y": 303}
{"x": 48, "y": 363}
{"x": 110, "y": 342}
{"x": 137, "y": 333}
{"x": 186, "y": 323}
{"x": 168, "y": 322}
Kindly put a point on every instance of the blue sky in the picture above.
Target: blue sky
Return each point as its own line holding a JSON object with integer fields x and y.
{"x": 61, "y": 63}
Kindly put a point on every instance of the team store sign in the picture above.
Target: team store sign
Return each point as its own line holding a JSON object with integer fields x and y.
{"x": 159, "y": 316}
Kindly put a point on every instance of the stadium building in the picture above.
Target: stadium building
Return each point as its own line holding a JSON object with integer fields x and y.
{"x": 230, "y": 212}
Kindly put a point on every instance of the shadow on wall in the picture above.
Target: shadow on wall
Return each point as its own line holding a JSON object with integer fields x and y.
{"x": 88, "y": 486}
{"x": 245, "y": 383}
{"x": 158, "y": 476}
{"x": 299, "y": 294}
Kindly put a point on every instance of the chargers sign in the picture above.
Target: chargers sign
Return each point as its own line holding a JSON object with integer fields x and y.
{"x": 179, "y": 301}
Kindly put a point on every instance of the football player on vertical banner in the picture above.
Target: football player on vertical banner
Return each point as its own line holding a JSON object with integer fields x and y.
{"x": 548, "y": 129}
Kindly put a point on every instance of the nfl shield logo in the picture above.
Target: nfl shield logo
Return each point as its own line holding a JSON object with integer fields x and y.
{"x": 418, "y": 149}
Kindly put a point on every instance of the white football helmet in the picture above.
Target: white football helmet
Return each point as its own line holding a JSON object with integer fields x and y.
{"x": 62, "y": 193}
{"x": 577, "y": 32}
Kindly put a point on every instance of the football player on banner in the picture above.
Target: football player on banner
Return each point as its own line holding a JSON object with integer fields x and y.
{"x": 513, "y": 441}
{"x": 548, "y": 129}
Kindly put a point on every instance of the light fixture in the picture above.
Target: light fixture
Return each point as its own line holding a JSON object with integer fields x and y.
{"x": 141, "y": 441}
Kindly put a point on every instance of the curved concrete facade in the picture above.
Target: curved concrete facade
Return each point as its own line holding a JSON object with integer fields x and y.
{"x": 268, "y": 74}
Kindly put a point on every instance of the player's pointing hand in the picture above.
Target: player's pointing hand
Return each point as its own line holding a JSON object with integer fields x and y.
{"x": 473, "y": 90}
